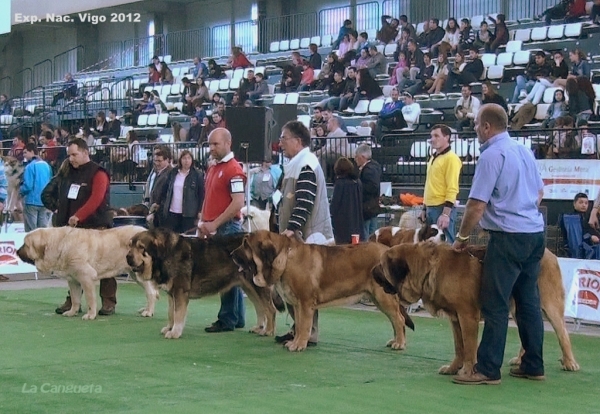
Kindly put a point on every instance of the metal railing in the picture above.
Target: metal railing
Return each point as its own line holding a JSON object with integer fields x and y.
{"x": 368, "y": 16}
{"x": 110, "y": 56}
{"x": 69, "y": 61}
{"x": 246, "y": 35}
{"x": 396, "y": 8}
{"x": 293, "y": 26}
{"x": 188, "y": 44}
{"x": 331, "y": 19}
{"x": 221, "y": 40}
{"x": 139, "y": 51}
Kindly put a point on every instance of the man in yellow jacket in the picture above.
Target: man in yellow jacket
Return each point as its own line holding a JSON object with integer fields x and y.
{"x": 441, "y": 184}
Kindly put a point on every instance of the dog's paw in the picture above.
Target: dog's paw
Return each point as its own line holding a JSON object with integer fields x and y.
{"x": 569, "y": 365}
{"x": 164, "y": 330}
{"x": 89, "y": 317}
{"x": 398, "y": 346}
{"x": 296, "y": 346}
{"x": 448, "y": 370}
{"x": 70, "y": 313}
{"x": 515, "y": 361}
{"x": 257, "y": 330}
{"x": 172, "y": 334}
{"x": 146, "y": 313}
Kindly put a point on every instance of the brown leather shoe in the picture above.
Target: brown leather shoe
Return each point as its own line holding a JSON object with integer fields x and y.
{"x": 106, "y": 311}
{"x": 474, "y": 379}
{"x": 517, "y": 372}
{"x": 65, "y": 307}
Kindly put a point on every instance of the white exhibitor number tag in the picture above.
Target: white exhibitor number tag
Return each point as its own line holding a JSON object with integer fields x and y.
{"x": 266, "y": 177}
{"x": 73, "y": 191}
{"x": 237, "y": 185}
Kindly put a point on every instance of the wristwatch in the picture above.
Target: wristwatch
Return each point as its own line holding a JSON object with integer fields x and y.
{"x": 461, "y": 239}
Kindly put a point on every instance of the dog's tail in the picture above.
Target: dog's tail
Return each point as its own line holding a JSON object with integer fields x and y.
{"x": 407, "y": 319}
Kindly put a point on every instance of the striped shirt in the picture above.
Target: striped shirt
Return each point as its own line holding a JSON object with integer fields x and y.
{"x": 305, "y": 194}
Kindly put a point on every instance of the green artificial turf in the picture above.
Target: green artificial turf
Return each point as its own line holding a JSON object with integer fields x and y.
{"x": 133, "y": 369}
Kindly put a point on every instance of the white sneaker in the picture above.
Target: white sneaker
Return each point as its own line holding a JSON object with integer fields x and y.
{"x": 523, "y": 94}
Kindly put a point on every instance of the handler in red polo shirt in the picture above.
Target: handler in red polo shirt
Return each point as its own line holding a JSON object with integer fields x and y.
{"x": 223, "y": 200}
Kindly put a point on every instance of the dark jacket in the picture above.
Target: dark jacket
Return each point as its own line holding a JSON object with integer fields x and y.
{"x": 475, "y": 68}
{"x": 349, "y": 86}
{"x": 416, "y": 59}
{"x": 561, "y": 71}
{"x": 534, "y": 70}
{"x": 316, "y": 61}
{"x": 194, "y": 133}
{"x": 336, "y": 89}
{"x": 160, "y": 183}
{"x": 370, "y": 177}
{"x": 114, "y": 129}
{"x": 246, "y": 85}
{"x": 193, "y": 193}
{"x": 58, "y": 189}
{"x": 435, "y": 36}
{"x": 497, "y": 99}
{"x": 387, "y": 33}
{"x": 346, "y": 210}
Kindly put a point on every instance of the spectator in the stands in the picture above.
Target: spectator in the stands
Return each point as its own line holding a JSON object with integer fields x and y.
{"x": 86, "y": 134}
{"x": 565, "y": 142}
{"x": 189, "y": 93}
{"x": 290, "y": 79}
{"x": 440, "y": 74}
{"x": 489, "y": 94}
{"x": 336, "y": 145}
{"x": 557, "y": 109}
{"x": 378, "y": 63}
{"x": 180, "y": 134}
{"x": 346, "y": 45}
{"x": 367, "y": 87}
{"x": 141, "y": 106}
{"x": 449, "y": 42}
{"x": 199, "y": 70}
{"x": 484, "y": 37}
{"x": 389, "y": 29}
{"x": 411, "y": 111}
{"x": 536, "y": 68}
{"x": 363, "y": 60}
{"x": 580, "y": 67}
{"x": 466, "y": 109}
{"x": 214, "y": 70}
{"x": 101, "y": 124}
{"x": 435, "y": 36}
{"x": 467, "y": 35}
{"x": 166, "y": 76}
{"x": 315, "y": 57}
{"x": 390, "y": 116}
{"x": 349, "y": 91}
{"x": 404, "y": 24}
{"x": 68, "y": 92}
{"x": 50, "y": 150}
{"x": 400, "y": 71}
{"x": 581, "y": 98}
{"x": 470, "y": 73}
{"x": 5, "y": 108}
{"x": 247, "y": 85}
{"x": 308, "y": 76}
{"x": 193, "y": 135}
{"x": 150, "y": 107}
{"x": 500, "y": 33}
{"x": 238, "y": 59}
{"x": 200, "y": 110}
{"x": 114, "y": 125}
{"x": 153, "y": 75}
{"x": 157, "y": 63}
{"x": 336, "y": 88}
{"x": 558, "y": 70}
{"x": 591, "y": 235}
{"x": 556, "y": 12}
{"x": 416, "y": 62}
{"x": 402, "y": 43}
{"x": 595, "y": 12}
{"x": 576, "y": 11}
{"x": 236, "y": 101}
{"x": 159, "y": 105}
{"x": 425, "y": 79}
{"x": 202, "y": 94}
{"x": 317, "y": 118}
{"x": 345, "y": 29}
{"x": 362, "y": 41}
{"x": 216, "y": 100}
{"x": 61, "y": 135}
{"x": 260, "y": 88}
{"x": 329, "y": 68}
{"x": 422, "y": 38}
{"x": 296, "y": 59}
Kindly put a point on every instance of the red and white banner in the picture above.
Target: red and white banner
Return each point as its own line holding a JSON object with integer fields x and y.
{"x": 565, "y": 178}
{"x": 11, "y": 238}
{"x": 581, "y": 279}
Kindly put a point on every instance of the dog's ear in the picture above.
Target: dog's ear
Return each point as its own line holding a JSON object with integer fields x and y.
{"x": 379, "y": 276}
{"x": 395, "y": 268}
{"x": 425, "y": 232}
{"x": 242, "y": 256}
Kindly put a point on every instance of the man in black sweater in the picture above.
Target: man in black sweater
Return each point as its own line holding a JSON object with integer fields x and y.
{"x": 370, "y": 177}
{"x": 471, "y": 72}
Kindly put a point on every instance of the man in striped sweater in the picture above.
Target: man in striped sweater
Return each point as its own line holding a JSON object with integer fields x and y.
{"x": 304, "y": 207}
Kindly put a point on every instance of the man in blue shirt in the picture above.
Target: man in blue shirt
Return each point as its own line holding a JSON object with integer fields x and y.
{"x": 200, "y": 69}
{"x": 390, "y": 116}
{"x": 506, "y": 192}
{"x": 38, "y": 174}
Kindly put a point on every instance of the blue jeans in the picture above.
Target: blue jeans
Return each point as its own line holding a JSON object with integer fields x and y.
{"x": 35, "y": 217}
{"x": 233, "y": 312}
{"x": 434, "y": 212}
{"x": 522, "y": 83}
{"x": 369, "y": 227}
{"x": 510, "y": 268}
